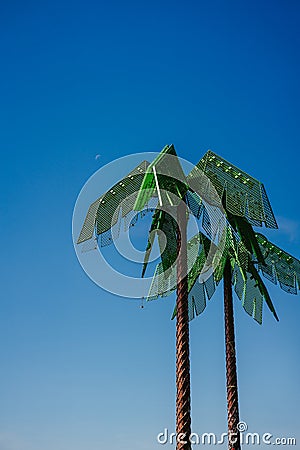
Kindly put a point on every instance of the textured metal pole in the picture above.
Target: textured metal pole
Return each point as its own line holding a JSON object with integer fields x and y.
{"x": 231, "y": 374}
{"x": 183, "y": 400}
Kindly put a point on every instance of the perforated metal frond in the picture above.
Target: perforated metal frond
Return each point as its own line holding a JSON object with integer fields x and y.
{"x": 242, "y": 194}
{"x": 164, "y": 281}
{"x": 87, "y": 230}
{"x": 252, "y": 291}
{"x": 249, "y": 294}
{"x": 198, "y": 248}
{"x": 163, "y": 176}
{"x": 279, "y": 266}
{"x": 164, "y": 226}
{"x": 198, "y": 296}
{"x": 104, "y": 212}
{"x": 195, "y": 203}
{"x": 247, "y": 282}
{"x": 205, "y": 258}
{"x": 248, "y": 287}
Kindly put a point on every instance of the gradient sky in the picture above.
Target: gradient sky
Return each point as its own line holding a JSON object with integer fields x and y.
{"x": 81, "y": 369}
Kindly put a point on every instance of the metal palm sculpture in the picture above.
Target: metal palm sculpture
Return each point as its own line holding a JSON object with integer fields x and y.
{"x": 164, "y": 181}
{"x": 245, "y": 254}
{"x": 227, "y": 249}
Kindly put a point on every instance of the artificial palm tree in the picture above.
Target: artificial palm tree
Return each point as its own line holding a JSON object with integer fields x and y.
{"x": 164, "y": 181}
{"x": 227, "y": 249}
{"x": 244, "y": 255}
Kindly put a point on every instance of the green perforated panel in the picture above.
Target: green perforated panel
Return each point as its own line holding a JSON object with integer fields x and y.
{"x": 163, "y": 176}
{"x": 242, "y": 194}
{"x": 279, "y": 265}
{"x": 104, "y": 212}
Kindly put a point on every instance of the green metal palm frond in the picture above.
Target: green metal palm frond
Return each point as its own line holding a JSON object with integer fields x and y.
{"x": 103, "y": 214}
{"x": 194, "y": 203}
{"x": 209, "y": 261}
{"x": 247, "y": 235}
{"x": 164, "y": 179}
{"x": 252, "y": 292}
{"x": 246, "y": 280}
{"x": 165, "y": 227}
{"x": 246, "y": 203}
{"x": 200, "y": 291}
{"x": 164, "y": 281}
{"x": 279, "y": 266}
{"x": 243, "y": 195}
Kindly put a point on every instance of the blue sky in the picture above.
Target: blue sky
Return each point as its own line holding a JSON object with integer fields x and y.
{"x": 80, "y": 368}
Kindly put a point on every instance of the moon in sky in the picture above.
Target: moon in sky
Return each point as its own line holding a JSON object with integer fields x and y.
{"x": 97, "y": 157}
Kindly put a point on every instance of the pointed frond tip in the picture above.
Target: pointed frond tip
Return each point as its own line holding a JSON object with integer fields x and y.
{"x": 164, "y": 178}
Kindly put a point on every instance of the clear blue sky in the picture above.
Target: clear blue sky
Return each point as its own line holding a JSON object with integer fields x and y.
{"x": 79, "y": 368}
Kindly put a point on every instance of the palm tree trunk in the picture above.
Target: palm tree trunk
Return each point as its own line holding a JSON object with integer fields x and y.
{"x": 183, "y": 401}
{"x": 231, "y": 373}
